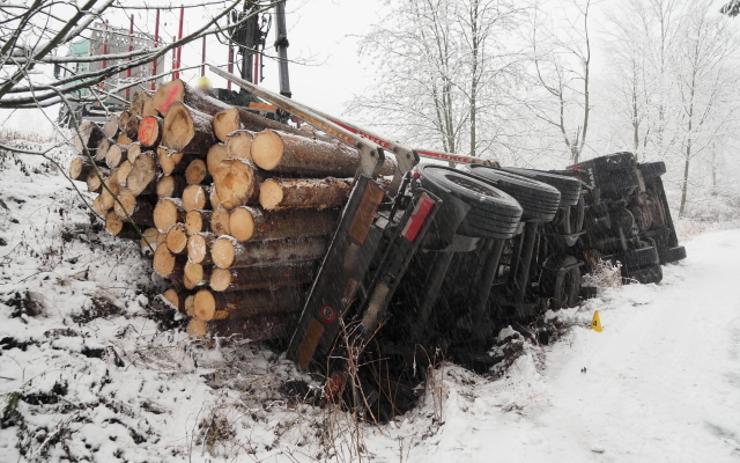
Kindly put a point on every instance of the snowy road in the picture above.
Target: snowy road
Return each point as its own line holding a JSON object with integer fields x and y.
{"x": 661, "y": 382}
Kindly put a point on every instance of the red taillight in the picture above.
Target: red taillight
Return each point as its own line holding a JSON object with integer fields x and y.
{"x": 423, "y": 208}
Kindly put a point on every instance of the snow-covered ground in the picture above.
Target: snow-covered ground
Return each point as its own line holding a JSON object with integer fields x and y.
{"x": 92, "y": 368}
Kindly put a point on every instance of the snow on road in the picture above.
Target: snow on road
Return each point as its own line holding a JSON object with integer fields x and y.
{"x": 660, "y": 383}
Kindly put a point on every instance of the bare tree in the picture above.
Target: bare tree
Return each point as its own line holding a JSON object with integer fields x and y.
{"x": 703, "y": 80}
{"x": 563, "y": 70}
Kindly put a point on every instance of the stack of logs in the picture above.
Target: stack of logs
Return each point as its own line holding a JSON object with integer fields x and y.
{"x": 236, "y": 208}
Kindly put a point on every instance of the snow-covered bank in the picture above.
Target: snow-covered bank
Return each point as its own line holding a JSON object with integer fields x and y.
{"x": 90, "y": 370}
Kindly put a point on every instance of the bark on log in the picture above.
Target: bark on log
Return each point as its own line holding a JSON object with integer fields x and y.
{"x": 196, "y": 172}
{"x": 284, "y": 193}
{"x": 186, "y": 130}
{"x": 167, "y": 213}
{"x": 170, "y": 186}
{"x": 262, "y": 276}
{"x": 235, "y": 183}
{"x": 194, "y": 197}
{"x": 150, "y": 131}
{"x": 291, "y": 154}
{"x": 254, "y": 329}
{"x": 177, "y": 239}
{"x": 226, "y": 252}
{"x": 143, "y": 173}
{"x": 239, "y": 145}
{"x": 248, "y": 223}
{"x": 208, "y": 305}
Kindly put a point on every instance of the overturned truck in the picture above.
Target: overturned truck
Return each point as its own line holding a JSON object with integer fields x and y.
{"x": 366, "y": 263}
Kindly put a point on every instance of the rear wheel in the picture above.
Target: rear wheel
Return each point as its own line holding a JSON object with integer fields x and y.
{"x": 569, "y": 187}
{"x": 642, "y": 257}
{"x": 673, "y": 254}
{"x": 539, "y": 200}
{"x": 561, "y": 282}
{"x": 493, "y": 213}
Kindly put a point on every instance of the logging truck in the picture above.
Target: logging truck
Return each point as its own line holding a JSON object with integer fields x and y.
{"x": 366, "y": 262}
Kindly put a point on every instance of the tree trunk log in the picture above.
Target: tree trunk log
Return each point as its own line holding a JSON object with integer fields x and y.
{"x": 197, "y": 221}
{"x": 194, "y": 197}
{"x": 187, "y": 131}
{"x": 123, "y": 171}
{"x": 150, "y": 239}
{"x": 170, "y": 186}
{"x": 254, "y": 329}
{"x": 208, "y": 305}
{"x": 90, "y": 134}
{"x": 198, "y": 248}
{"x": 80, "y": 167}
{"x": 216, "y": 154}
{"x": 167, "y": 213}
{"x": 248, "y": 223}
{"x": 285, "y": 193}
{"x": 196, "y": 173}
{"x": 235, "y": 183}
{"x": 226, "y": 252}
{"x": 150, "y": 131}
{"x": 133, "y": 151}
{"x": 239, "y": 145}
{"x": 115, "y": 155}
{"x": 291, "y": 154}
{"x": 143, "y": 173}
{"x": 110, "y": 128}
{"x": 101, "y": 150}
{"x": 140, "y": 210}
{"x": 262, "y": 276}
{"x": 118, "y": 228}
{"x": 166, "y": 264}
{"x": 177, "y": 239}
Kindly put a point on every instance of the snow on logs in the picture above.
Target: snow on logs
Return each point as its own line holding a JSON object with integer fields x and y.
{"x": 235, "y": 209}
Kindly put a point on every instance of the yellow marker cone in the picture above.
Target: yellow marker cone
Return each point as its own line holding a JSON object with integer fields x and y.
{"x": 596, "y": 322}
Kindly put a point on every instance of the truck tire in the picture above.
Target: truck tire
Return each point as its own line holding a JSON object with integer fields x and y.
{"x": 642, "y": 257}
{"x": 561, "y": 282}
{"x": 673, "y": 254}
{"x": 569, "y": 187}
{"x": 652, "y": 274}
{"x": 539, "y": 201}
{"x": 652, "y": 169}
{"x": 493, "y": 213}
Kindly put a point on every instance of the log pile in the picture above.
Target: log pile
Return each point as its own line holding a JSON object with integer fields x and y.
{"x": 234, "y": 209}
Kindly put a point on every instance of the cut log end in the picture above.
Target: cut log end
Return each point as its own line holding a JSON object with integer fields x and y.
{"x": 194, "y": 274}
{"x": 167, "y": 94}
{"x": 114, "y": 156}
{"x": 123, "y": 172}
{"x": 267, "y": 150}
{"x": 239, "y": 145}
{"x": 197, "y": 249}
{"x": 241, "y": 224}
{"x": 133, "y": 152}
{"x": 177, "y": 239}
{"x": 204, "y": 305}
{"x": 194, "y": 197}
{"x": 220, "y": 279}
{"x": 222, "y": 252}
{"x": 226, "y": 122}
{"x": 196, "y": 172}
{"x": 271, "y": 194}
{"x": 194, "y": 222}
{"x": 165, "y": 214}
{"x": 172, "y": 298}
{"x": 220, "y": 219}
{"x": 149, "y": 131}
{"x": 216, "y": 154}
{"x": 164, "y": 261}
{"x": 149, "y": 239}
{"x": 125, "y": 206}
{"x": 113, "y": 223}
{"x": 143, "y": 173}
{"x": 178, "y": 127}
